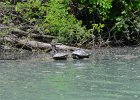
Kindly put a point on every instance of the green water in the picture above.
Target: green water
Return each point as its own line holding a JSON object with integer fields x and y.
{"x": 105, "y": 76}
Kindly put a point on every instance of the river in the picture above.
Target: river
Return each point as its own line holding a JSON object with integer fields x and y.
{"x": 109, "y": 74}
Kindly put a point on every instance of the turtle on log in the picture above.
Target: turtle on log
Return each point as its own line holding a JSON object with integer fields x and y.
{"x": 58, "y": 55}
{"x": 80, "y": 54}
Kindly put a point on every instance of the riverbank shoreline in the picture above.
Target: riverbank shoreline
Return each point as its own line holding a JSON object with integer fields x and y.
{"x": 12, "y": 54}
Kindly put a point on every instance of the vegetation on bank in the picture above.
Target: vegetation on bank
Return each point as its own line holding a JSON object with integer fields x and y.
{"x": 80, "y": 22}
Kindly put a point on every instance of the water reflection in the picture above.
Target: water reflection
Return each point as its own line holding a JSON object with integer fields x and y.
{"x": 105, "y": 76}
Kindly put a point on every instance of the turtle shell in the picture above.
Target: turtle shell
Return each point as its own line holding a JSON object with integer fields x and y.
{"x": 79, "y": 54}
{"x": 59, "y": 56}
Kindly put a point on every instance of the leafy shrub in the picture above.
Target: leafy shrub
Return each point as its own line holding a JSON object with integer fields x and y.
{"x": 33, "y": 11}
{"x": 127, "y": 23}
{"x": 120, "y": 18}
{"x": 76, "y": 21}
{"x": 63, "y": 25}
{"x": 54, "y": 16}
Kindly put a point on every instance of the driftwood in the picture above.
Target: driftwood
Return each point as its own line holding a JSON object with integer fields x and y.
{"x": 34, "y": 44}
{"x": 39, "y": 37}
{"x": 30, "y": 41}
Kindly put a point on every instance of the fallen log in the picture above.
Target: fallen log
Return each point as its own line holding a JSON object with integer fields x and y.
{"x": 39, "y": 37}
{"x": 35, "y": 44}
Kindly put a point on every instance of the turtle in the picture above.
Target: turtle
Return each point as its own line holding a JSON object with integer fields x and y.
{"x": 80, "y": 54}
{"x": 60, "y": 56}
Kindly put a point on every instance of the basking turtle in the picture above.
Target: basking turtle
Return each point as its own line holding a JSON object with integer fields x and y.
{"x": 60, "y": 56}
{"x": 80, "y": 54}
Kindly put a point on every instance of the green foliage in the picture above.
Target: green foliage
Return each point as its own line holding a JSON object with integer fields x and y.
{"x": 99, "y": 27}
{"x": 1, "y": 33}
{"x": 63, "y": 25}
{"x": 119, "y": 17}
{"x": 5, "y": 9}
{"x": 54, "y": 18}
{"x": 4, "y": 31}
{"x": 99, "y": 6}
{"x": 127, "y": 23}
{"x": 110, "y": 19}
{"x": 33, "y": 11}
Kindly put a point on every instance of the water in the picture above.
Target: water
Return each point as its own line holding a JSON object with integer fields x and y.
{"x": 110, "y": 74}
